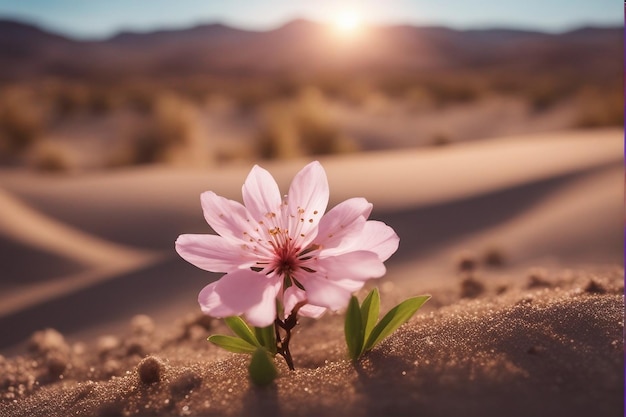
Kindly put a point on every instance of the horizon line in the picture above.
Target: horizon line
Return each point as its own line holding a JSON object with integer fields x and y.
{"x": 52, "y": 29}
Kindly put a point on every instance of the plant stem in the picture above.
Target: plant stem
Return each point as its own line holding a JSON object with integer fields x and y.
{"x": 282, "y": 344}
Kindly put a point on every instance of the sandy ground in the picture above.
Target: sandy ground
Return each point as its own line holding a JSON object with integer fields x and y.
{"x": 533, "y": 326}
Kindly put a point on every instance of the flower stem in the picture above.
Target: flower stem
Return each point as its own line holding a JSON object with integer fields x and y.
{"x": 282, "y": 343}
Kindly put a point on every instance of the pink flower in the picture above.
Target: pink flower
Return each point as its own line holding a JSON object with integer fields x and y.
{"x": 286, "y": 249}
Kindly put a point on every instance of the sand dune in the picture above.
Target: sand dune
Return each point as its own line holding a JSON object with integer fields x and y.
{"x": 98, "y": 259}
{"x": 150, "y": 207}
{"x": 26, "y": 225}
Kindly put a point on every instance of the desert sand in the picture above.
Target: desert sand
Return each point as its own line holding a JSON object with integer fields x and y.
{"x": 518, "y": 240}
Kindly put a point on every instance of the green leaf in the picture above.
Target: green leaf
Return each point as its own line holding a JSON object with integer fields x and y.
{"x": 262, "y": 369}
{"x": 395, "y": 318}
{"x": 232, "y": 344}
{"x": 353, "y": 329}
{"x": 369, "y": 313}
{"x": 241, "y": 329}
{"x": 267, "y": 338}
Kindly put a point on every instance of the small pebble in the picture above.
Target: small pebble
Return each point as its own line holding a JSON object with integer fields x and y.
{"x": 197, "y": 332}
{"x": 108, "y": 343}
{"x": 48, "y": 340}
{"x": 142, "y": 325}
{"x": 494, "y": 257}
{"x": 537, "y": 278}
{"x": 186, "y": 382}
{"x": 594, "y": 287}
{"x": 111, "y": 367}
{"x": 150, "y": 370}
{"x": 56, "y": 365}
{"x": 137, "y": 347}
{"x": 471, "y": 288}
{"x": 466, "y": 263}
{"x": 536, "y": 350}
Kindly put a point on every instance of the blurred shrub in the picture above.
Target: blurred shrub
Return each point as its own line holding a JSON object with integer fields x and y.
{"x": 253, "y": 95}
{"x": 542, "y": 97}
{"x": 141, "y": 97}
{"x": 22, "y": 120}
{"x": 69, "y": 99}
{"x": 169, "y": 133}
{"x": 301, "y": 127}
{"x": 50, "y": 157}
{"x": 597, "y": 108}
{"x": 451, "y": 91}
{"x": 441, "y": 139}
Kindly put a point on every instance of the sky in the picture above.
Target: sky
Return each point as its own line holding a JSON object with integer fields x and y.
{"x": 93, "y": 19}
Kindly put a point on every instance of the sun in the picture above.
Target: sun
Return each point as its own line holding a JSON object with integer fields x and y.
{"x": 347, "y": 22}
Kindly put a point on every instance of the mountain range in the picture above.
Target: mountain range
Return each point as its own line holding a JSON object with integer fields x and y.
{"x": 304, "y": 47}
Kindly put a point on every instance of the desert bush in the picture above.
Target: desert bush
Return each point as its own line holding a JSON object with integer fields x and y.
{"x": 22, "y": 120}
{"x": 542, "y": 97}
{"x": 50, "y": 157}
{"x": 170, "y": 133}
{"x": 441, "y": 139}
{"x": 597, "y": 108}
{"x": 141, "y": 97}
{"x": 301, "y": 127}
{"x": 418, "y": 98}
{"x": 451, "y": 91}
{"x": 67, "y": 99}
{"x": 70, "y": 99}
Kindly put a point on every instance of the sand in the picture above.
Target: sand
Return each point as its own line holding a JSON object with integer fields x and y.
{"x": 518, "y": 240}
{"x": 553, "y": 347}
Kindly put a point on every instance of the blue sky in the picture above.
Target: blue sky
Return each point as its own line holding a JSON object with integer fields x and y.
{"x": 99, "y": 18}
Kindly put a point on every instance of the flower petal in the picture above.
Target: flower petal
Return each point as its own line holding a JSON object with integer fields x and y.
{"x": 342, "y": 225}
{"x": 211, "y": 303}
{"x": 306, "y": 201}
{"x": 357, "y": 265}
{"x": 374, "y": 236}
{"x": 292, "y": 296}
{"x": 309, "y": 310}
{"x": 264, "y": 313}
{"x": 325, "y": 293}
{"x": 242, "y": 292}
{"x": 213, "y": 253}
{"x": 379, "y": 238}
{"x": 228, "y": 218}
{"x": 261, "y": 194}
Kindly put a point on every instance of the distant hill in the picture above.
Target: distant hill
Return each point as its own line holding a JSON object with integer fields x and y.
{"x": 304, "y": 47}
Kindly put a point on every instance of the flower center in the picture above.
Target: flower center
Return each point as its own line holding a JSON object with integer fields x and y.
{"x": 287, "y": 262}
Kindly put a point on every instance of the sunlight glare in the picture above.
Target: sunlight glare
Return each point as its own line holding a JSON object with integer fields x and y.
{"x": 347, "y": 22}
